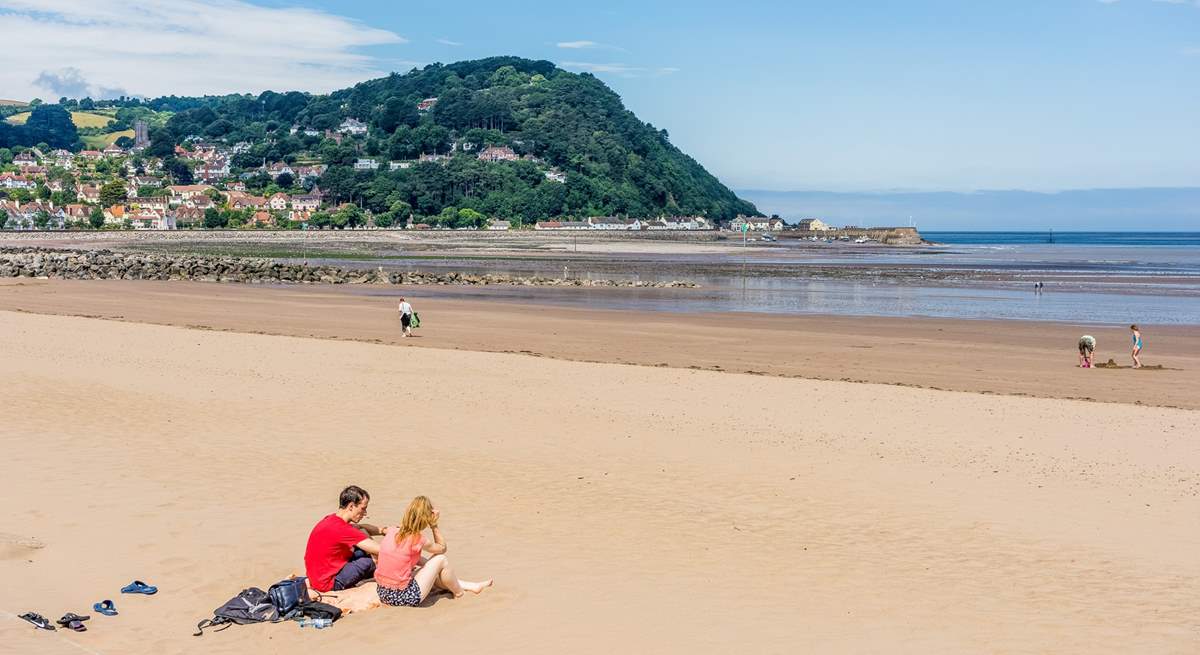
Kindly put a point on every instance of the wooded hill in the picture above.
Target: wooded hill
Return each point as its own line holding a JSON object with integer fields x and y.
{"x": 558, "y": 121}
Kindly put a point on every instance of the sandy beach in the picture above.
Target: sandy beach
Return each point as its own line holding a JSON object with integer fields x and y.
{"x": 659, "y": 509}
{"x": 1000, "y": 357}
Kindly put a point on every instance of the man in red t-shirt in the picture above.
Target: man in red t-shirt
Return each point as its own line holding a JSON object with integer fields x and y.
{"x": 340, "y": 552}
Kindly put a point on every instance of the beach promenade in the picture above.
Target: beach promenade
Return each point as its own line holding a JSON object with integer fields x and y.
{"x": 653, "y": 508}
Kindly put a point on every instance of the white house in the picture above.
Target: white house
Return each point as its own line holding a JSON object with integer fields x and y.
{"x": 352, "y": 126}
{"x": 613, "y": 223}
{"x": 499, "y": 225}
{"x": 182, "y": 192}
{"x": 398, "y": 165}
{"x": 756, "y": 224}
{"x": 13, "y": 181}
{"x": 278, "y": 201}
{"x": 498, "y": 153}
{"x": 149, "y": 219}
{"x": 277, "y": 169}
{"x": 556, "y": 176}
{"x": 366, "y": 164}
{"x": 677, "y": 223}
{"x": 813, "y": 225}
{"x": 306, "y": 202}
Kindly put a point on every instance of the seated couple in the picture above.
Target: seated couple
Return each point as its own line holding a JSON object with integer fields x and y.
{"x": 342, "y": 553}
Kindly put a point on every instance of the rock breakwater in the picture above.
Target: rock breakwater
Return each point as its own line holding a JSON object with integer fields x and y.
{"x": 110, "y": 265}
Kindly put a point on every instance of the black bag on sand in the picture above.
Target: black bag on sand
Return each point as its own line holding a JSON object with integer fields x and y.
{"x": 287, "y": 595}
{"x": 252, "y": 605}
{"x": 318, "y": 610}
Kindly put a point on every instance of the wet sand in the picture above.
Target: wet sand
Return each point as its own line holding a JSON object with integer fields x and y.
{"x": 1000, "y": 357}
{"x": 655, "y": 510}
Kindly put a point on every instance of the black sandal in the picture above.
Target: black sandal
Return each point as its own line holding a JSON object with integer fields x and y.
{"x": 71, "y": 617}
{"x": 37, "y": 620}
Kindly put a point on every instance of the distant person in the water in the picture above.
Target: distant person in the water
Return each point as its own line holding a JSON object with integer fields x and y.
{"x": 1137, "y": 346}
{"x": 1087, "y": 350}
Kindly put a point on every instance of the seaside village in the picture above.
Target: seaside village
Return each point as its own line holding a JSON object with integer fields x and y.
{"x": 126, "y": 188}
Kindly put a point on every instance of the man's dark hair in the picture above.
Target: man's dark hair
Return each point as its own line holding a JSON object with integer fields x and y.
{"x": 352, "y": 495}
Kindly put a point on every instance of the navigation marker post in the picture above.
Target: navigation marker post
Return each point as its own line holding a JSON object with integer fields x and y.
{"x": 745, "y": 229}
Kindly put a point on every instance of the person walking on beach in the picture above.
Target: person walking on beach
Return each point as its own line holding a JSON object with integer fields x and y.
{"x": 406, "y": 314}
{"x": 1137, "y": 346}
{"x": 1087, "y": 349}
{"x": 400, "y": 551}
{"x": 340, "y": 552}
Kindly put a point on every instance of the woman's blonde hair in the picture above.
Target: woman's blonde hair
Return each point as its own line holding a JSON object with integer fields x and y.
{"x": 417, "y": 517}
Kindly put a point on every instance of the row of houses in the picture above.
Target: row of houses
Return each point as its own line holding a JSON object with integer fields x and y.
{"x": 756, "y": 224}
{"x": 489, "y": 154}
{"x": 629, "y": 224}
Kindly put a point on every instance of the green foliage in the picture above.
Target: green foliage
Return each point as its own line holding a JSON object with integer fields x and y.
{"x": 615, "y": 163}
{"x": 386, "y": 219}
{"x": 214, "y": 218}
{"x": 48, "y": 124}
{"x": 348, "y": 216}
{"x": 179, "y": 170}
{"x": 113, "y": 193}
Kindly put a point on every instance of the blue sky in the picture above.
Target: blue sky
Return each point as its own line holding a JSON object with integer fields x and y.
{"x": 861, "y": 96}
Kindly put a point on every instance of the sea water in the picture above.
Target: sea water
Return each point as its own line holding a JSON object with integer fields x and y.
{"x": 1091, "y": 278}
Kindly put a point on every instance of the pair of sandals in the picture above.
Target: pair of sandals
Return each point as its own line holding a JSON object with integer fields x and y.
{"x": 73, "y": 621}
{"x": 69, "y": 621}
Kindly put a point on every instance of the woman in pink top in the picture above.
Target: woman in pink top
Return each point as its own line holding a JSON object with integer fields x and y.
{"x": 400, "y": 552}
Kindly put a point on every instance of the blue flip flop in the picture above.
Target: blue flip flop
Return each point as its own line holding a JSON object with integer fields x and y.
{"x": 105, "y": 607}
{"x": 139, "y": 587}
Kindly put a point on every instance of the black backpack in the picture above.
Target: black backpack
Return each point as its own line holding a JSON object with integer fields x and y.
{"x": 252, "y": 605}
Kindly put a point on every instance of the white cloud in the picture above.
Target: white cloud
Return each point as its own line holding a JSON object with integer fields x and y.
{"x": 624, "y": 70}
{"x": 448, "y": 42}
{"x": 588, "y": 45}
{"x": 183, "y": 47}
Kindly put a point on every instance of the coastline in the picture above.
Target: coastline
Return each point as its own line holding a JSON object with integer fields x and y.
{"x": 979, "y": 356}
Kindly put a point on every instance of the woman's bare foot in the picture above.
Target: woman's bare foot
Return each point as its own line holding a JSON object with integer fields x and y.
{"x": 476, "y": 587}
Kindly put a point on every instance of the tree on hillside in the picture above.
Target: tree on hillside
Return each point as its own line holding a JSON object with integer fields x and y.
{"x": 162, "y": 144}
{"x": 96, "y": 218}
{"x": 113, "y": 193}
{"x": 51, "y": 124}
{"x": 179, "y": 170}
{"x": 396, "y": 112}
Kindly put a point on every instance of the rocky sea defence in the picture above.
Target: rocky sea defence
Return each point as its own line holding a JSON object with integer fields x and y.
{"x": 33, "y": 262}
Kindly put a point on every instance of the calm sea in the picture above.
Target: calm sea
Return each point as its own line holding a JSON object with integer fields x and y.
{"x": 1090, "y": 278}
{"x": 1066, "y": 238}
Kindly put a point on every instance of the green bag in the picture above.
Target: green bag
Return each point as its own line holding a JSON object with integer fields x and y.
{"x": 416, "y": 321}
